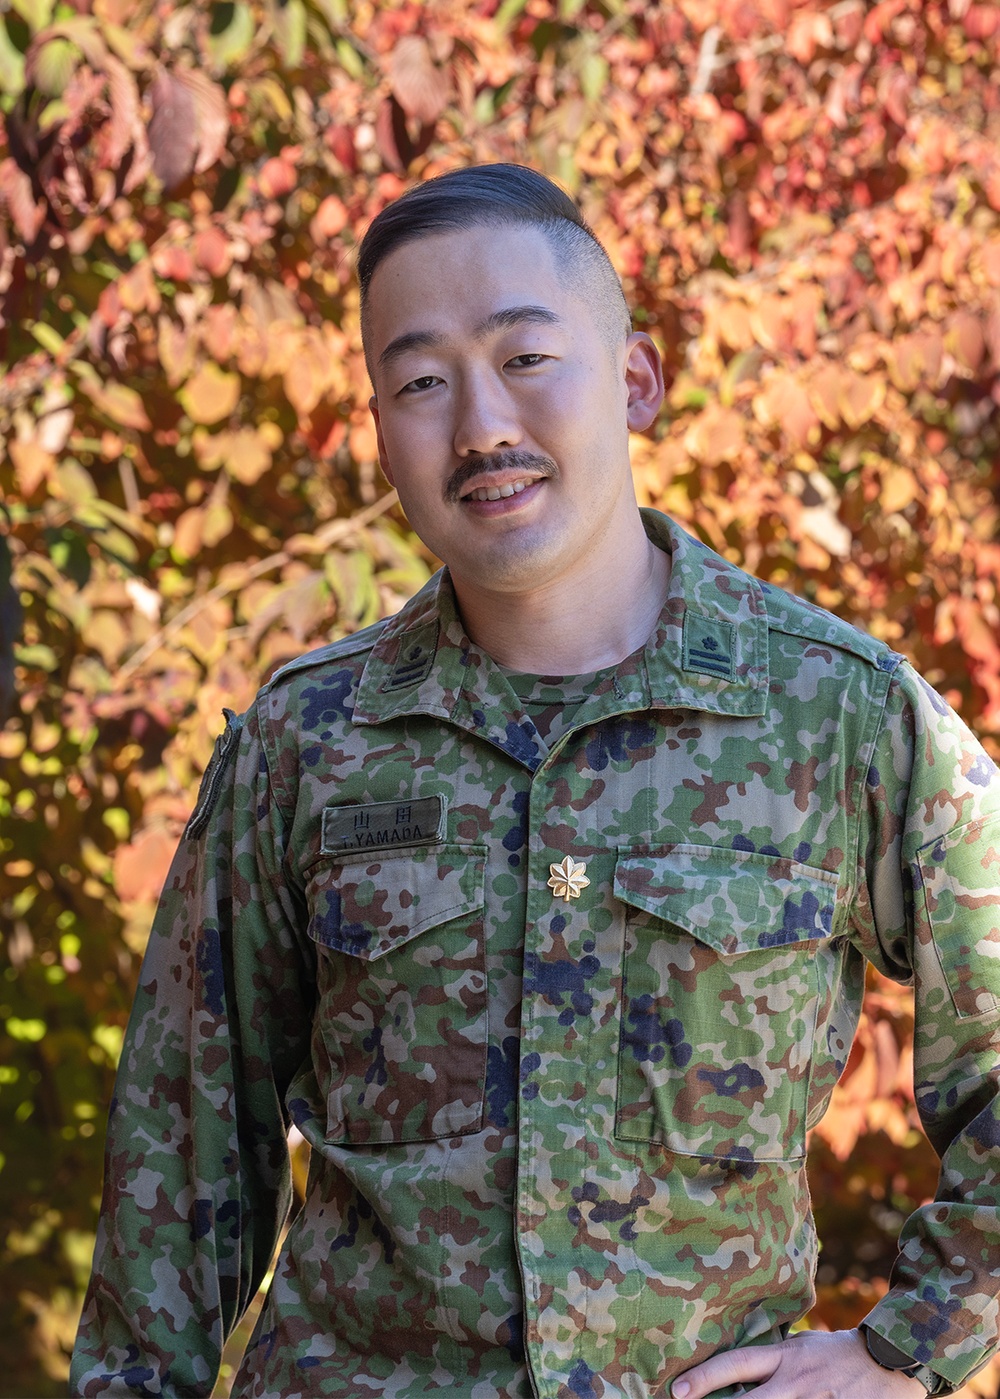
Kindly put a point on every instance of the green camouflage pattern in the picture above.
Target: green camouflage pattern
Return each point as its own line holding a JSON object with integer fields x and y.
{"x": 558, "y": 1147}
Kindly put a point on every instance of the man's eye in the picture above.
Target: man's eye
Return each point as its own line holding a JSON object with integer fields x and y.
{"x": 526, "y": 361}
{"x": 426, "y": 381}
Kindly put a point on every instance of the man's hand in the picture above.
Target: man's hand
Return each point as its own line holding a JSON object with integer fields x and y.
{"x": 812, "y": 1365}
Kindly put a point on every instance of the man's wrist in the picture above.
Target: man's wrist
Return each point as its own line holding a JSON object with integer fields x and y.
{"x": 890, "y": 1357}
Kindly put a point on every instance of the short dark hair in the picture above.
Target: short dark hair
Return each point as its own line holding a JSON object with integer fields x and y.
{"x": 501, "y": 195}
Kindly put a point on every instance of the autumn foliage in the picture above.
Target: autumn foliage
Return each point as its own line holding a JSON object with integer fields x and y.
{"x": 803, "y": 200}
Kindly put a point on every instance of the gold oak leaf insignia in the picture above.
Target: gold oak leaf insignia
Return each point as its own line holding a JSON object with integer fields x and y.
{"x": 568, "y": 879}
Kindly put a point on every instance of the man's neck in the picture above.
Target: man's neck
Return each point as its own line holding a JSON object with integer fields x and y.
{"x": 576, "y": 625}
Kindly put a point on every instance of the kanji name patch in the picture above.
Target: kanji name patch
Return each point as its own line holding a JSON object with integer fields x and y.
{"x": 383, "y": 825}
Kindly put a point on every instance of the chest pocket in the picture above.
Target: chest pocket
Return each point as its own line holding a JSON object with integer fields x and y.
{"x": 720, "y": 1000}
{"x": 400, "y": 1037}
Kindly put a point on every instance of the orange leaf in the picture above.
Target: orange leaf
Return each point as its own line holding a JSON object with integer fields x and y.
{"x": 860, "y": 397}
{"x": 965, "y": 339}
{"x": 916, "y": 358}
{"x": 769, "y": 324}
{"x": 118, "y": 402}
{"x": 308, "y": 374}
{"x": 141, "y": 866}
{"x": 733, "y": 324}
{"x": 899, "y": 488}
{"x": 784, "y": 401}
{"x": 137, "y": 290}
{"x": 188, "y": 533}
{"x": 824, "y": 395}
{"x": 248, "y": 457}
{"x": 991, "y": 261}
{"x": 219, "y": 330}
{"x": 32, "y": 465}
{"x": 806, "y": 304}
{"x": 715, "y": 436}
{"x": 210, "y": 395}
{"x": 362, "y": 442}
{"x": 175, "y": 346}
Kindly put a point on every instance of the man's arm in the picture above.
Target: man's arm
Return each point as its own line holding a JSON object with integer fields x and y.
{"x": 196, "y": 1171}
{"x": 926, "y": 909}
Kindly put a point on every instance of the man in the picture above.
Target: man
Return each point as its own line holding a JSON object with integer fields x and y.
{"x": 542, "y": 909}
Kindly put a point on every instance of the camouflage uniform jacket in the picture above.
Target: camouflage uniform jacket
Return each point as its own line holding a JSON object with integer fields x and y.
{"x": 558, "y": 1144}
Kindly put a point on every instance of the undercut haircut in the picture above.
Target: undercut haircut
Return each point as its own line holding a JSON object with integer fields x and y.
{"x": 501, "y": 196}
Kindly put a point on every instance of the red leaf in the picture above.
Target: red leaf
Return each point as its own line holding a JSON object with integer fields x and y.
{"x": 125, "y": 128}
{"x": 212, "y": 251}
{"x": 329, "y": 219}
{"x": 340, "y": 140}
{"x": 16, "y": 193}
{"x": 390, "y": 134}
{"x": 173, "y": 130}
{"x": 277, "y": 178}
{"x": 982, "y": 21}
{"x": 189, "y": 126}
{"x": 109, "y": 305}
{"x": 420, "y": 87}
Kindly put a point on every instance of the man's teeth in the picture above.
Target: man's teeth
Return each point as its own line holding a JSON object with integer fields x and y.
{"x": 498, "y": 492}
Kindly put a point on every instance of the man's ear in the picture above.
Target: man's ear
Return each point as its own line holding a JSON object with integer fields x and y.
{"x": 383, "y": 456}
{"x": 644, "y": 380}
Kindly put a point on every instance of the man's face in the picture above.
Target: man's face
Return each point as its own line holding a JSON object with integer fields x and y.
{"x": 502, "y": 413}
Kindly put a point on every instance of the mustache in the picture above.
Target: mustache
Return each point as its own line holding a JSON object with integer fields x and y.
{"x": 512, "y": 460}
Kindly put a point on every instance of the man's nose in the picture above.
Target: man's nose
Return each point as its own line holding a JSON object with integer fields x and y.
{"x": 485, "y": 417}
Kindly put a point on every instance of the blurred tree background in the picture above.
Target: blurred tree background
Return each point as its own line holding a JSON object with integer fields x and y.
{"x": 803, "y": 200}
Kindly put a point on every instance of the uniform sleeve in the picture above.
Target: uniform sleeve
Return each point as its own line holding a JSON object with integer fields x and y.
{"x": 197, "y": 1181}
{"x": 928, "y": 910}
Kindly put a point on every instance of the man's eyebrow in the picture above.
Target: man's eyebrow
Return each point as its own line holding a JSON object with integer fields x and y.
{"x": 413, "y": 340}
{"x": 512, "y": 316}
{"x": 506, "y": 319}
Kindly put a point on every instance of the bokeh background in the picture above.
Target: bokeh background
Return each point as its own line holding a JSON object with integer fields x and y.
{"x": 803, "y": 201}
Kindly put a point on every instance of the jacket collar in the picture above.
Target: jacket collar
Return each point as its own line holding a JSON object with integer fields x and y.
{"x": 708, "y": 653}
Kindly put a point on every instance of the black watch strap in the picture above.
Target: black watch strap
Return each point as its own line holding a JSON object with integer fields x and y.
{"x": 890, "y": 1357}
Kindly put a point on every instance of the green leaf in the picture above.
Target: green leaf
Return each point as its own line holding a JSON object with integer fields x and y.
{"x": 289, "y": 20}
{"x": 54, "y": 113}
{"x": 36, "y": 657}
{"x": 54, "y": 66}
{"x": 47, "y": 336}
{"x": 593, "y": 76}
{"x": 335, "y": 12}
{"x": 232, "y": 33}
{"x": 30, "y": 1031}
{"x": 350, "y": 60}
{"x": 507, "y": 14}
{"x": 11, "y": 64}
{"x": 35, "y": 13}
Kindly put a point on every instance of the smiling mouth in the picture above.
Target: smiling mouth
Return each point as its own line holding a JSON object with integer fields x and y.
{"x": 501, "y": 492}
{"x": 498, "y": 476}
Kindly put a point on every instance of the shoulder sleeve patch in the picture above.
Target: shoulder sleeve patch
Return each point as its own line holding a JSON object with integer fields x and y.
{"x": 211, "y": 782}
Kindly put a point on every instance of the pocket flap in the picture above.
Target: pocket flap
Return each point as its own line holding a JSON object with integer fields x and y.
{"x": 732, "y": 900}
{"x": 366, "y": 906}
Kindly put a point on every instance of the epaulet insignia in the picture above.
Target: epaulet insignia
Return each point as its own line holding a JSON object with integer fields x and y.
{"x": 708, "y": 645}
{"x": 414, "y": 658}
{"x": 211, "y": 782}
